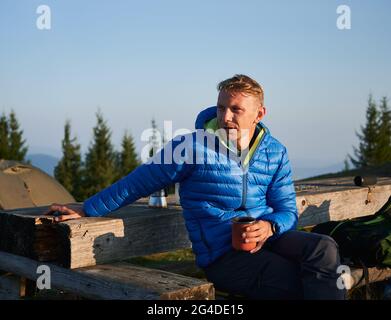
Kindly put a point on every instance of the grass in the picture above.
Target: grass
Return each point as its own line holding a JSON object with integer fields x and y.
{"x": 179, "y": 261}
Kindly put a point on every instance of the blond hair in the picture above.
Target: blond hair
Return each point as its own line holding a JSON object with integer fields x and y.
{"x": 243, "y": 84}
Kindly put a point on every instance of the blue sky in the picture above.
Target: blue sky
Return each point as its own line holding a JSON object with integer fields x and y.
{"x": 141, "y": 59}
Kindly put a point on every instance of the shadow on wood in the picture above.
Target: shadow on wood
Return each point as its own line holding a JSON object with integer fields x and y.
{"x": 313, "y": 214}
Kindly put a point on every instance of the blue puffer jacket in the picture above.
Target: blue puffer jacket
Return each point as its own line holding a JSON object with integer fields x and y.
{"x": 211, "y": 194}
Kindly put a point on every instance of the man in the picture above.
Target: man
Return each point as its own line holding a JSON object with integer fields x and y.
{"x": 241, "y": 171}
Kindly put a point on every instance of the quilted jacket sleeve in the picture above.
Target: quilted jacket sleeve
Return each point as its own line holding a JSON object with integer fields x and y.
{"x": 141, "y": 182}
{"x": 281, "y": 196}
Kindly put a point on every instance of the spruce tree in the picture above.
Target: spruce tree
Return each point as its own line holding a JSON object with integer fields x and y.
{"x": 383, "y": 147}
{"x": 69, "y": 169}
{"x": 366, "y": 152}
{"x": 127, "y": 158}
{"x": 17, "y": 149}
{"x": 346, "y": 165}
{"x": 4, "y": 137}
{"x": 100, "y": 159}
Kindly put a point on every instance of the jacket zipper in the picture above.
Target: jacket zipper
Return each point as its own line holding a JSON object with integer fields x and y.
{"x": 244, "y": 180}
{"x": 244, "y": 190}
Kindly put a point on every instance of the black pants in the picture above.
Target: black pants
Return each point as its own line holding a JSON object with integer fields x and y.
{"x": 298, "y": 265}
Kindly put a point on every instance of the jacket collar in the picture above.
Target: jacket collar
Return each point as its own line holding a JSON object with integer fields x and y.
{"x": 210, "y": 113}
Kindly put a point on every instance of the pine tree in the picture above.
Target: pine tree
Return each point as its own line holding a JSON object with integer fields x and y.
{"x": 366, "y": 152}
{"x": 17, "y": 149}
{"x": 69, "y": 169}
{"x": 3, "y": 137}
{"x": 127, "y": 158}
{"x": 346, "y": 165}
{"x": 100, "y": 159}
{"x": 383, "y": 147}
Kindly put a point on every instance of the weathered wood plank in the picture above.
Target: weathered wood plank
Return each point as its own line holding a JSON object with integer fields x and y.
{"x": 331, "y": 199}
{"x": 115, "y": 281}
{"x": 169, "y": 286}
{"x": 138, "y": 231}
{"x": 339, "y": 199}
{"x": 131, "y": 231}
{"x": 26, "y": 233}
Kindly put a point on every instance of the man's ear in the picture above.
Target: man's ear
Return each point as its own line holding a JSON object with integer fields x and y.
{"x": 261, "y": 114}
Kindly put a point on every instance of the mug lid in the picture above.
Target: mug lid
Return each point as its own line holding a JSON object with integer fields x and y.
{"x": 245, "y": 219}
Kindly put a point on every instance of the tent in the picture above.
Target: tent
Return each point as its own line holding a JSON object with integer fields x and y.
{"x": 23, "y": 185}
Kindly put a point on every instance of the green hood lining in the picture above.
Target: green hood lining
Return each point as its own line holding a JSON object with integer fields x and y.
{"x": 212, "y": 125}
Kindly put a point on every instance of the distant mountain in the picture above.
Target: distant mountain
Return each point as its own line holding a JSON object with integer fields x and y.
{"x": 301, "y": 171}
{"x": 380, "y": 171}
{"x": 44, "y": 162}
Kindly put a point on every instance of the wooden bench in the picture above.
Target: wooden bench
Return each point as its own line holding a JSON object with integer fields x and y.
{"x": 85, "y": 255}
{"x": 108, "y": 281}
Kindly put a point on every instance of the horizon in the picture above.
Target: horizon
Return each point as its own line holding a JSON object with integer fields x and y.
{"x": 301, "y": 168}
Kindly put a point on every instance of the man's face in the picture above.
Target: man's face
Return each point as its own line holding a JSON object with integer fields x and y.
{"x": 238, "y": 114}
